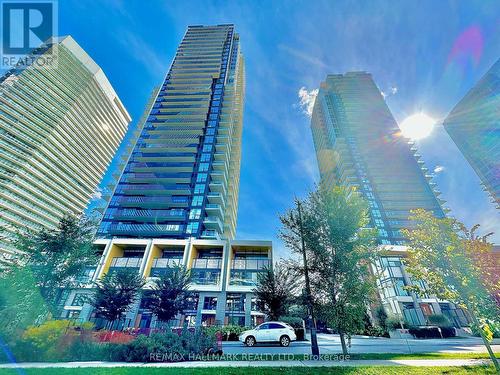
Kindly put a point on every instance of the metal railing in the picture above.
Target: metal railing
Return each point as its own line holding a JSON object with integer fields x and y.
{"x": 126, "y": 262}
{"x": 250, "y": 264}
{"x": 207, "y": 263}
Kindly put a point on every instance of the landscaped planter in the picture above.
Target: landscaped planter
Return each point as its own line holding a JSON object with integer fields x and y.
{"x": 400, "y": 334}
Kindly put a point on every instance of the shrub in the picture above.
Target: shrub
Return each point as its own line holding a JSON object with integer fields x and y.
{"x": 294, "y": 321}
{"x": 375, "y": 331}
{"x": 229, "y": 332}
{"x": 439, "y": 320}
{"x": 167, "y": 346}
{"x": 393, "y": 323}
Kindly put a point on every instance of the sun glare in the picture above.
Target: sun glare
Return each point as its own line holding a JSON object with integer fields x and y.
{"x": 417, "y": 126}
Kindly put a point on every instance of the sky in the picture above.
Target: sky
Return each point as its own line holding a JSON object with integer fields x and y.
{"x": 423, "y": 55}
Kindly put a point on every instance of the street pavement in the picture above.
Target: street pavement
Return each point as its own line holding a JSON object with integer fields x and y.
{"x": 330, "y": 344}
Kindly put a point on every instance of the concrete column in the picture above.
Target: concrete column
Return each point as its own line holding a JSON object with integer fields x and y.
{"x": 248, "y": 309}
{"x": 220, "y": 313}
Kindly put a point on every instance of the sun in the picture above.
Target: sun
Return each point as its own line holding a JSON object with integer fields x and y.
{"x": 417, "y": 126}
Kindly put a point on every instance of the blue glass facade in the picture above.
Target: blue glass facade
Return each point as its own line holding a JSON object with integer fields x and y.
{"x": 178, "y": 180}
{"x": 358, "y": 144}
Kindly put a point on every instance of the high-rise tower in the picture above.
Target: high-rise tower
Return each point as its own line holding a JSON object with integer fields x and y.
{"x": 60, "y": 127}
{"x": 182, "y": 177}
{"x": 474, "y": 126}
{"x": 358, "y": 143}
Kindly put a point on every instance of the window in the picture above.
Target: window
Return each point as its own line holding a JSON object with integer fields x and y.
{"x": 207, "y": 148}
{"x": 210, "y": 131}
{"x": 197, "y": 201}
{"x": 205, "y": 157}
{"x": 202, "y": 177}
{"x": 275, "y": 326}
{"x": 264, "y": 326}
{"x": 195, "y": 214}
{"x": 199, "y": 189}
{"x": 78, "y": 300}
{"x": 203, "y": 167}
{"x": 209, "y": 139}
{"x": 210, "y": 303}
{"x": 192, "y": 227}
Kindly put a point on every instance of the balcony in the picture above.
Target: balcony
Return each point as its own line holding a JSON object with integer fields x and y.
{"x": 125, "y": 263}
{"x": 250, "y": 264}
{"x": 166, "y": 262}
{"x": 213, "y": 222}
{"x": 212, "y": 263}
{"x": 205, "y": 277}
{"x": 216, "y": 198}
{"x": 210, "y": 235}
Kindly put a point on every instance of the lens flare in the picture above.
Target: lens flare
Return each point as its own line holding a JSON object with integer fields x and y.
{"x": 417, "y": 126}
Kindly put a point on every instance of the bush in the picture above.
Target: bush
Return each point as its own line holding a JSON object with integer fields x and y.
{"x": 167, "y": 346}
{"x": 439, "y": 320}
{"x": 393, "y": 323}
{"x": 432, "y": 332}
{"x": 375, "y": 331}
{"x": 229, "y": 332}
{"x": 294, "y": 321}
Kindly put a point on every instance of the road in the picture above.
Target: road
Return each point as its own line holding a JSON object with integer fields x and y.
{"x": 330, "y": 344}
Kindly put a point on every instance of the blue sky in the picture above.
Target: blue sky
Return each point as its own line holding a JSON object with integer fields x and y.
{"x": 424, "y": 55}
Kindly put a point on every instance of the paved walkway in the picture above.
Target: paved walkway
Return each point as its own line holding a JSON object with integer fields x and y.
{"x": 398, "y": 362}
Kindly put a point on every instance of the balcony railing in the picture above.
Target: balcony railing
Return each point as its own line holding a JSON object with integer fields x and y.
{"x": 250, "y": 264}
{"x": 166, "y": 262}
{"x": 126, "y": 262}
{"x": 207, "y": 263}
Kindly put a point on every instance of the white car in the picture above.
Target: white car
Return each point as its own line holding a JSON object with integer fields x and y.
{"x": 269, "y": 332}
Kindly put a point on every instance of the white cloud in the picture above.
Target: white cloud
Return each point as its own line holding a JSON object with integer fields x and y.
{"x": 97, "y": 194}
{"x": 438, "y": 169}
{"x": 307, "y": 99}
{"x": 393, "y": 90}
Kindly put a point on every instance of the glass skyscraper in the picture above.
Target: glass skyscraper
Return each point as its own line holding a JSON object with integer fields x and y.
{"x": 182, "y": 177}
{"x": 60, "y": 127}
{"x": 474, "y": 126}
{"x": 358, "y": 143}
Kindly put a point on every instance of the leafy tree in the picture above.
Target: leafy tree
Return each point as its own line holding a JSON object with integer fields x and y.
{"x": 447, "y": 257}
{"x": 275, "y": 290}
{"x": 57, "y": 257}
{"x": 115, "y": 292}
{"x": 339, "y": 250}
{"x": 169, "y": 293}
{"x": 21, "y": 304}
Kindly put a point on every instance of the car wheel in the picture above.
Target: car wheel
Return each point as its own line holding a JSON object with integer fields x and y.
{"x": 250, "y": 341}
{"x": 284, "y": 340}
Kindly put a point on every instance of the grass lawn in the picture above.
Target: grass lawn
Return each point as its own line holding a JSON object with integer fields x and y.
{"x": 377, "y": 370}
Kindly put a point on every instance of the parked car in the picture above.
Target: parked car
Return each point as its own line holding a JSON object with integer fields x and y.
{"x": 269, "y": 332}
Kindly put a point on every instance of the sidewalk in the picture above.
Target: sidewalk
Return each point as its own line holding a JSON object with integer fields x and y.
{"x": 396, "y": 362}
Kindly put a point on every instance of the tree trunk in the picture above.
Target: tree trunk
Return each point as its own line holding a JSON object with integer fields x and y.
{"x": 342, "y": 342}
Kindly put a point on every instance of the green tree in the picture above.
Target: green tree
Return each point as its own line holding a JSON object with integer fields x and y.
{"x": 340, "y": 249}
{"x": 56, "y": 258}
{"x": 21, "y": 304}
{"x": 446, "y": 256}
{"x": 276, "y": 290}
{"x": 169, "y": 293}
{"x": 115, "y": 293}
